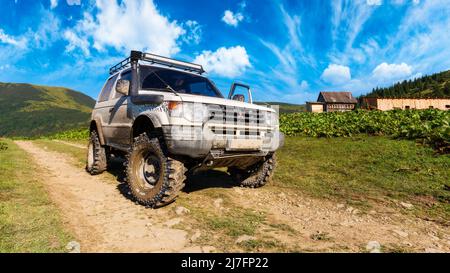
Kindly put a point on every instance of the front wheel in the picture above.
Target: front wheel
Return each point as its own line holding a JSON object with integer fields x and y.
{"x": 154, "y": 178}
{"x": 256, "y": 175}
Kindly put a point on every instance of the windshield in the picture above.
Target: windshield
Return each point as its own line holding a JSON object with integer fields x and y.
{"x": 163, "y": 79}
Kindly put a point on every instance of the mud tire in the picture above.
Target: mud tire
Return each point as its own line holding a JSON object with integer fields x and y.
{"x": 154, "y": 179}
{"x": 255, "y": 176}
{"x": 96, "y": 161}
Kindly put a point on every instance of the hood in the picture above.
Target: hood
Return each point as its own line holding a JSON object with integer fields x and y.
{"x": 207, "y": 100}
{"x": 222, "y": 101}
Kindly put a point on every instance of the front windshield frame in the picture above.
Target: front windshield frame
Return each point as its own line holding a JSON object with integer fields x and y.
{"x": 145, "y": 71}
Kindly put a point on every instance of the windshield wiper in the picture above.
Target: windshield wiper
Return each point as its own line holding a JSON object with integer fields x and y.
{"x": 168, "y": 87}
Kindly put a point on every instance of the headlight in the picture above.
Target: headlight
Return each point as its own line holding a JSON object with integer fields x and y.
{"x": 193, "y": 112}
{"x": 271, "y": 118}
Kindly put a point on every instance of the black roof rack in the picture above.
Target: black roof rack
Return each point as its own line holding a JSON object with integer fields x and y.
{"x": 136, "y": 56}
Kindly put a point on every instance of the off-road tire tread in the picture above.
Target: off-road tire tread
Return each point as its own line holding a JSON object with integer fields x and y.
{"x": 174, "y": 174}
{"x": 100, "y": 163}
{"x": 256, "y": 176}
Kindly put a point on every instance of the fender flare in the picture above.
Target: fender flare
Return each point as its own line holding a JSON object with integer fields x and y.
{"x": 96, "y": 125}
{"x": 151, "y": 118}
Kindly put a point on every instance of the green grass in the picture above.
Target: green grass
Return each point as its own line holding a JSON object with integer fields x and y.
{"x": 236, "y": 223}
{"x": 29, "y": 222}
{"x": 367, "y": 170}
{"x": 81, "y": 134}
{"x": 259, "y": 245}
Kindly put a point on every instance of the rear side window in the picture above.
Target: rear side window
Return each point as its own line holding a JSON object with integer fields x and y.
{"x": 104, "y": 96}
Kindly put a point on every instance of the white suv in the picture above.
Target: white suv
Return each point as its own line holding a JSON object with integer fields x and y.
{"x": 167, "y": 118}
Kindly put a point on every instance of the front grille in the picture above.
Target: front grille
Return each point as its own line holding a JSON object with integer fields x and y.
{"x": 238, "y": 122}
{"x": 234, "y": 131}
{"x": 219, "y": 114}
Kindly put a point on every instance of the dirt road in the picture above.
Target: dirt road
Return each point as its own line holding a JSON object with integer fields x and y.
{"x": 70, "y": 144}
{"x": 104, "y": 220}
{"x": 101, "y": 218}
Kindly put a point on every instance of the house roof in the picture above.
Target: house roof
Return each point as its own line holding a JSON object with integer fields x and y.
{"x": 339, "y": 97}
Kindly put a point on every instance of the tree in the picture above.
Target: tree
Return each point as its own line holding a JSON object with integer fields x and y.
{"x": 446, "y": 90}
{"x": 438, "y": 92}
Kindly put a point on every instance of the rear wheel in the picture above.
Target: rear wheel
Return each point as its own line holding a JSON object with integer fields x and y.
{"x": 96, "y": 161}
{"x": 255, "y": 176}
{"x": 154, "y": 178}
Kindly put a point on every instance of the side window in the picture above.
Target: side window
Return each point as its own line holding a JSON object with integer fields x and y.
{"x": 104, "y": 96}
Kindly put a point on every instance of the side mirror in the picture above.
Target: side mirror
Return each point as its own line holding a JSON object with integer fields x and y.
{"x": 123, "y": 87}
{"x": 231, "y": 95}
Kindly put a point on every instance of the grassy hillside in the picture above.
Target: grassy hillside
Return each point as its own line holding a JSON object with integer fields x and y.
{"x": 33, "y": 110}
{"x": 286, "y": 107}
{"x": 435, "y": 86}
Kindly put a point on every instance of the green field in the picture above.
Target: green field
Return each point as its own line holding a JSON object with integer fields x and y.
{"x": 29, "y": 221}
{"x": 429, "y": 126}
{"x": 367, "y": 171}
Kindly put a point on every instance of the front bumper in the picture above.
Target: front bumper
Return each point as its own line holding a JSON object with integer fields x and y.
{"x": 199, "y": 142}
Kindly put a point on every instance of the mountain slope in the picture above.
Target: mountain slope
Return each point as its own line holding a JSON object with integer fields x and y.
{"x": 285, "y": 107}
{"x": 34, "y": 110}
{"x": 434, "y": 86}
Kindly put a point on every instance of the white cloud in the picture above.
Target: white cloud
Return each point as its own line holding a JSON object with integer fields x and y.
{"x": 402, "y": 2}
{"x": 292, "y": 61}
{"x": 374, "y": 2}
{"x": 129, "y": 25}
{"x": 53, "y": 4}
{"x": 304, "y": 85}
{"x": 227, "y": 62}
{"x": 232, "y": 19}
{"x": 386, "y": 72}
{"x": 336, "y": 74}
{"x": 47, "y": 32}
{"x": 76, "y": 42}
{"x": 20, "y": 42}
{"x": 193, "y": 32}
{"x": 73, "y": 2}
{"x": 348, "y": 19}
{"x": 4, "y": 67}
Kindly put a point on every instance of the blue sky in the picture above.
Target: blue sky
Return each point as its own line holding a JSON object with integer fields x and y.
{"x": 286, "y": 50}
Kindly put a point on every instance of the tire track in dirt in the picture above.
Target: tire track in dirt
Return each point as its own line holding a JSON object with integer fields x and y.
{"x": 101, "y": 218}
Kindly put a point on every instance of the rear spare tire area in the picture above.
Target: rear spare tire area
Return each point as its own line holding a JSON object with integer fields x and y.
{"x": 96, "y": 161}
{"x": 256, "y": 175}
{"x": 154, "y": 178}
